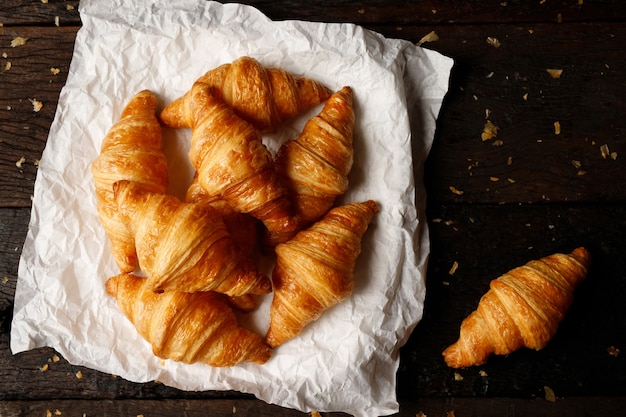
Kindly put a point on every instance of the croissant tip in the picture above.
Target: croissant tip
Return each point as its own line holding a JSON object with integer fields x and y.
{"x": 263, "y": 356}
{"x": 271, "y": 340}
{"x": 581, "y": 253}
{"x": 111, "y": 285}
{"x": 454, "y": 358}
{"x": 372, "y": 206}
{"x": 346, "y": 90}
{"x": 143, "y": 102}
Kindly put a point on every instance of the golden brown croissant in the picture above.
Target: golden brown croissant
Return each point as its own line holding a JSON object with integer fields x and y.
{"x": 232, "y": 162}
{"x": 131, "y": 150}
{"x": 522, "y": 308}
{"x": 262, "y": 96}
{"x": 186, "y": 327}
{"x": 314, "y": 270}
{"x": 241, "y": 227}
{"x": 185, "y": 246}
{"x": 315, "y": 166}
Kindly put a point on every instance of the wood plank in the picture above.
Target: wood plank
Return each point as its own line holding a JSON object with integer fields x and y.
{"x": 38, "y": 12}
{"x": 13, "y": 228}
{"x": 189, "y": 408}
{"x": 449, "y": 12}
{"x": 26, "y": 76}
{"x": 484, "y": 407}
{"x": 513, "y": 407}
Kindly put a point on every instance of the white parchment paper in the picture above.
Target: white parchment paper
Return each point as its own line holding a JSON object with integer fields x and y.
{"x": 347, "y": 360}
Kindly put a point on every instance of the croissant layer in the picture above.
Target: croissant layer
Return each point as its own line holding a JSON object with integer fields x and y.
{"x": 262, "y": 96}
{"x": 187, "y": 327}
{"x": 315, "y": 166}
{"x": 185, "y": 246}
{"x": 131, "y": 150}
{"x": 232, "y": 162}
{"x": 242, "y": 227}
{"x": 522, "y": 308}
{"x": 315, "y": 270}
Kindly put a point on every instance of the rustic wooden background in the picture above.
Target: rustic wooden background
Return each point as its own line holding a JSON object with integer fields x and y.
{"x": 492, "y": 204}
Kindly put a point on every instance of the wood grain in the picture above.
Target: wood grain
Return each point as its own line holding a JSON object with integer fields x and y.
{"x": 501, "y": 407}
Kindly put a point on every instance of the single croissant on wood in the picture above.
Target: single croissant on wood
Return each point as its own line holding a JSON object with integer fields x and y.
{"x": 185, "y": 246}
{"x": 186, "y": 327}
{"x": 131, "y": 150}
{"x": 315, "y": 270}
{"x": 315, "y": 166}
{"x": 522, "y": 308}
{"x": 262, "y": 96}
{"x": 232, "y": 162}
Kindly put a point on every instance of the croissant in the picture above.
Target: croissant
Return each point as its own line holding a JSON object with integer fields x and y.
{"x": 315, "y": 270}
{"x": 241, "y": 227}
{"x": 262, "y": 96}
{"x": 316, "y": 164}
{"x": 131, "y": 150}
{"x": 186, "y": 327}
{"x": 522, "y": 308}
{"x": 232, "y": 162}
{"x": 185, "y": 246}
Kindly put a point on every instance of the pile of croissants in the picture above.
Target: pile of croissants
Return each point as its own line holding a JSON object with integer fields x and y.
{"x": 187, "y": 266}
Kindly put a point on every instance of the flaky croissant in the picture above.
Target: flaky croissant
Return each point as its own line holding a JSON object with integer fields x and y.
{"x": 241, "y": 226}
{"x": 186, "y": 327}
{"x": 185, "y": 246}
{"x": 522, "y": 308}
{"x": 262, "y": 96}
{"x": 232, "y": 162}
{"x": 315, "y": 270}
{"x": 131, "y": 150}
{"x": 315, "y": 166}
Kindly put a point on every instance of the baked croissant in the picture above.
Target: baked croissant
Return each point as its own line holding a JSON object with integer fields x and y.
{"x": 185, "y": 246}
{"x": 522, "y": 308}
{"x": 131, "y": 150}
{"x": 232, "y": 162}
{"x": 186, "y": 327}
{"x": 262, "y": 96}
{"x": 315, "y": 166}
{"x": 241, "y": 227}
{"x": 315, "y": 270}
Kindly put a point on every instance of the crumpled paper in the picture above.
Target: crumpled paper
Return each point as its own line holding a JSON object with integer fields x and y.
{"x": 347, "y": 360}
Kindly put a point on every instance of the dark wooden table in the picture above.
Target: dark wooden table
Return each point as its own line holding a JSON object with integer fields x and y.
{"x": 492, "y": 205}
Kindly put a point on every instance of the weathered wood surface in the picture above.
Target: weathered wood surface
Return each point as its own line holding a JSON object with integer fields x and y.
{"x": 492, "y": 205}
